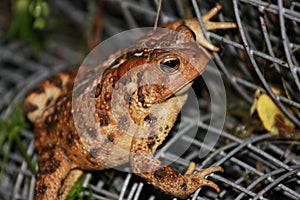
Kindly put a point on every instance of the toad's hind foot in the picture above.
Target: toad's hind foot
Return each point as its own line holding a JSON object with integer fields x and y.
{"x": 209, "y": 25}
{"x": 193, "y": 24}
{"x": 178, "y": 185}
{"x": 199, "y": 177}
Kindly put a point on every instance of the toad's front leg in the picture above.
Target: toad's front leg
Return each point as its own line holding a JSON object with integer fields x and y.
{"x": 145, "y": 165}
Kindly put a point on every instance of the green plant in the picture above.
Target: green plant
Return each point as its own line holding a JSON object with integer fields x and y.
{"x": 28, "y": 17}
{"x": 76, "y": 190}
{"x": 9, "y": 133}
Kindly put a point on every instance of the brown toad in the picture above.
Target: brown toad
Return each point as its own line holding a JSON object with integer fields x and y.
{"x": 86, "y": 120}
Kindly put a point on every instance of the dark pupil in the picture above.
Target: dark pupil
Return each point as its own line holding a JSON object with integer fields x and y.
{"x": 170, "y": 65}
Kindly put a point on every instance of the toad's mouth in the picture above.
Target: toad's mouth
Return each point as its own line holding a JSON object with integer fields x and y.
{"x": 183, "y": 90}
{"x": 180, "y": 91}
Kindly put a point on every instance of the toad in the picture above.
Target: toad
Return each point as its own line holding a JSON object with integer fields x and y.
{"x": 93, "y": 119}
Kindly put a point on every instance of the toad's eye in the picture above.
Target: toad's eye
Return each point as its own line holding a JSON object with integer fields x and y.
{"x": 170, "y": 64}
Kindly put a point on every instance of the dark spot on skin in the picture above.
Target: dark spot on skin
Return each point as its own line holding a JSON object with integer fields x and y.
{"x": 144, "y": 105}
{"x": 114, "y": 82}
{"x": 150, "y": 118}
{"x": 130, "y": 55}
{"x": 152, "y": 139}
{"x": 111, "y": 137}
{"x": 48, "y": 166}
{"x": 56, "y": 81}
{"x": 70, "y": 138}
{"x": 194, "y": 180}
{"x": 161, "y": 173}
{"x": 146, "y": 54}
{"x": 46, "y": 149}
{"x": 29, "y": 107}
{"x": 141, "y": 97}
{"x": 151, "y": 143}
{"x": 50, "y": 121}
{"x": 92, "y": 133}
{"x": 39, "y": 90}
{"x": 91, "y": 160}
{"x": 38, "y": 177}
{"x": 49, "y": 101}
{"x": 41, "y": 189}
{"x": 56, "y": 110}
{"x": 94, "y": 152}
{"x": 194, "y": 56}
{"x": 98, "y": 90}
{"x": 104, "y": 120}
{"x": 166, "y": 127}
{"x": 166, "y": 173}
{"x": 183, "y": 186}
{"x": 116, "y": 62}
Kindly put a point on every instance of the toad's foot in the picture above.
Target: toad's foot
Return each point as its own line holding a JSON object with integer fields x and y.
{"x": 193, "y": 24}
{"x": 209, "y": 25}
{"x": 165, "y": 178}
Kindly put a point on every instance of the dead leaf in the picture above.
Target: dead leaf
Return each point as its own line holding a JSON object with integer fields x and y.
{"x": 272, "y": 117}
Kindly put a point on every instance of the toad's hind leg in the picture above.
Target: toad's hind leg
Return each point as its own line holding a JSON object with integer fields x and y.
{"x": 145, "y": 165}
{"x": 55, "y": 177}
{"x": 69, "y": 182}
{"x": 53, "y": 169}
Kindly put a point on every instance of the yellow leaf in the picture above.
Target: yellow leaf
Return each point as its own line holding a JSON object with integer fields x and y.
{"x": 272, "y": 117}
